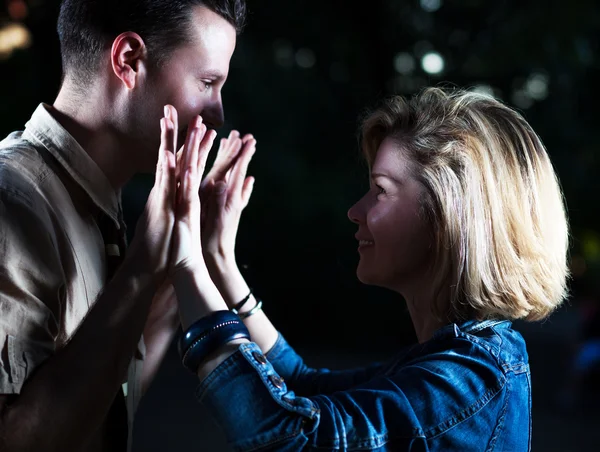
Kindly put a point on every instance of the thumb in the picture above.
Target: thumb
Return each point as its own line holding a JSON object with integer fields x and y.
{"x": 216, "y": 204}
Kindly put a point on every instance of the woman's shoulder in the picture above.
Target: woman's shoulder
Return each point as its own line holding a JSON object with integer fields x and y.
{"x": 471, "y": 344}
{"x": 460, "y": 371}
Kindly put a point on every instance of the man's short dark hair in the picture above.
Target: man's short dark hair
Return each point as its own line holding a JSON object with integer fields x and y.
{"x": 88, "y": 27}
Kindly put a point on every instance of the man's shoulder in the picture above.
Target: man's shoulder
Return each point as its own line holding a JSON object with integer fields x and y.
{"x": 22, "y": 167}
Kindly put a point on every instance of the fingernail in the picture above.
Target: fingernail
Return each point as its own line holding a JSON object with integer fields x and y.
{"x": 198, "y": 122}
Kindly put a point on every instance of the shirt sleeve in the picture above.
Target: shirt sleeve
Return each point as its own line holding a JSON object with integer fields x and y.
{"x": 31, "y": 288}
{"x": 399, "y": 411}
{"x": 306, "y": 381}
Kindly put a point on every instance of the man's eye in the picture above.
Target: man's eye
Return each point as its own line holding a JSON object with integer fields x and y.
{"x": 380, "y": 189}
{"x": 206, "y": 84}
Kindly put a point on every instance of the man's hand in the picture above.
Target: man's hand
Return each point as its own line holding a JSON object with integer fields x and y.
{"x": 151, "y": 244}
{"x": 187, "y": 245}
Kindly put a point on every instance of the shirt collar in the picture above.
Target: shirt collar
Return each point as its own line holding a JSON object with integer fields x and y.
{"x": 44, "y": 129}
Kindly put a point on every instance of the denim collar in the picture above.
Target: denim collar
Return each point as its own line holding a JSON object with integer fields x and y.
{"x": 469, "y": 326}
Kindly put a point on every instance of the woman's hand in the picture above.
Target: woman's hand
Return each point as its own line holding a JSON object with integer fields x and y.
{"x": 227, "y": 199}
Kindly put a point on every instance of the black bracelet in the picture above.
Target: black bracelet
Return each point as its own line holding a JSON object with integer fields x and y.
{"x": 207, "y": 335}
{"x": 238, "y": 306}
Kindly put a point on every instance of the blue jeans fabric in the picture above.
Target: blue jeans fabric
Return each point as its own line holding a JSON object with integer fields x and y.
{"x": 466, "y": 389}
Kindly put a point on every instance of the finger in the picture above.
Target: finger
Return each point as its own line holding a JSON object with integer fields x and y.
{"x": 247, "y": 137}
{"x": 165, "y": 182}
{"x": 202, "y": 156}
{"x": 241, "y": 167}
{"x": 171, "y": 114}
{"x": 179, "y": 161}
{"x": 196, "y": 131}
{"x": 161, "y": 151}
{"x": 228, "y": 151}
{"x": 247, "y": 190}
{"x": 233, "y": 135}
{"x": 167, "y": 135}
{"x": 225, "y": 147}
{"x": 174, "y": 116}
{"x": 169, "y": 176}
{"x": 229, "y": 141}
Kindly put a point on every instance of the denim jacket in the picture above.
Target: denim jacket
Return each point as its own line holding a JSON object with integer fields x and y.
{"x": 466, "y": 389}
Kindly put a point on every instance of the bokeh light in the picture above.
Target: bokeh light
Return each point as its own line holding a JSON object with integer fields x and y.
{"x": 404, "y": 63}
{"x": 433, "y": 63}
{"x": 431, "y": 5}
{"x": 13, "y": 36}
{"x": 305, "y": 58}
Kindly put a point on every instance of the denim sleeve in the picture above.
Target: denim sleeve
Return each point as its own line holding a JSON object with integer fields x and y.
{"x": 396, "y": 412}
{"x": 306, "y": 381}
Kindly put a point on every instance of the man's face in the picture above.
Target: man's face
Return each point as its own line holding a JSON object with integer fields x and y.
{"x": 191, "y": 80}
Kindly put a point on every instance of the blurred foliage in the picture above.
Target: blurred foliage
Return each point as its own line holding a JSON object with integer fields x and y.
{"x": 303, "y": 74}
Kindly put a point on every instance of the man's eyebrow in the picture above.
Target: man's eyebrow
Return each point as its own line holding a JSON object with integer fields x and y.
{"x": 385, "y": 176}
{"x": 212, "y": 74}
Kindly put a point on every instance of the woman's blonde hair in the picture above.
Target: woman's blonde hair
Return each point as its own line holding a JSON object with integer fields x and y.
{"x": 493, "y": 199}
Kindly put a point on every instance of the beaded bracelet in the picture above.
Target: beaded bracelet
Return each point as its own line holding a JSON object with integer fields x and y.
{"x": 207, "y": 335}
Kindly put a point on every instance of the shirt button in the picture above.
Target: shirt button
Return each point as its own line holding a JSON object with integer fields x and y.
{"x": 277, "y": 381}
{"x": 259, "y": 357}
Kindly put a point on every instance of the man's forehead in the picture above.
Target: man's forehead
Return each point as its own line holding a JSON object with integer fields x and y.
{"x": 207, "y": 23}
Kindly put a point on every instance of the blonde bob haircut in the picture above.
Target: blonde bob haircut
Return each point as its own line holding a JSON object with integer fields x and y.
{"x": 492, "y": 198}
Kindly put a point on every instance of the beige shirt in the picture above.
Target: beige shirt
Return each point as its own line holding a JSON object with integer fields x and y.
{"x": 52, "y": 257}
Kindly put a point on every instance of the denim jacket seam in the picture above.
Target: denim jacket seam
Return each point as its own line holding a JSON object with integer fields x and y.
{"x": 467, "y": 412}
{"x": 500, "y": 424}
{"x": 342, "y": 442}
{"x": 516, "y": 368}
{"x": 492, "y": 350}
{"x": 367, "y": 444}
{"x": 484, "y": 325}
{"x": 276, "y": 393}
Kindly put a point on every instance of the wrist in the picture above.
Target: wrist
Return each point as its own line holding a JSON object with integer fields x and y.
{"x": 220, "y": 263}
{"x": 139, "y": 277}
{"x": 196, "y": 294}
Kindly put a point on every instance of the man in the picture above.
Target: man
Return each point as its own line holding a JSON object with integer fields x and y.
{"x": 70, "y": 333}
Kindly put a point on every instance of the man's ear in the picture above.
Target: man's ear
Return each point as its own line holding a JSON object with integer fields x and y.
{"x": 128, "y": 56}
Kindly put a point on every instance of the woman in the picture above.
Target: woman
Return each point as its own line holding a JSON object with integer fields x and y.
{"x": 464, "y": 218}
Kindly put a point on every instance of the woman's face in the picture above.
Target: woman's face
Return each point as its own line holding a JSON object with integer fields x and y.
{"x": 395, "y": 242}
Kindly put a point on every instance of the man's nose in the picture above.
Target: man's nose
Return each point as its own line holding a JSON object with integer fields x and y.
{"x": 213, "y": 114}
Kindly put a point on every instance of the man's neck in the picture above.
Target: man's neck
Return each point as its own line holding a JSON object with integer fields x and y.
{"x": 87, "y": 123}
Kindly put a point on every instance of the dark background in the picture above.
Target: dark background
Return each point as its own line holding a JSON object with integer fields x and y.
{"x": 302, "y": 75}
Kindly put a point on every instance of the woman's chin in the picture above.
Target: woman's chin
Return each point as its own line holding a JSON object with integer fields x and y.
{"x": 365, "y": 276}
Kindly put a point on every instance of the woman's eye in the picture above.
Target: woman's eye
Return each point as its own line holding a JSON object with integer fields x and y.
{"x": 380, "y": 189}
